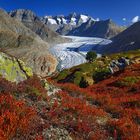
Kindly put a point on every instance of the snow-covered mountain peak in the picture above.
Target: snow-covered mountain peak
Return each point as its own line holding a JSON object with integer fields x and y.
{"x": 72, "y": 19}
{"x": 51, "y": 21}
{"x": 84, "y": 18}
{"x": 82, "y": 25}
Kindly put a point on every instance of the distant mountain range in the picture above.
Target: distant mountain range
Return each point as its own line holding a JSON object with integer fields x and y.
{"x": 26, "y": 36}
{"x": 64, "y": 24}
{"x": 49, "y": 27}
{"x": 82, "y": 25}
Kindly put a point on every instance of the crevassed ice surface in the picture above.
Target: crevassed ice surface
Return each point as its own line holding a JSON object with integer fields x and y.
{"x": 73, "y": 53}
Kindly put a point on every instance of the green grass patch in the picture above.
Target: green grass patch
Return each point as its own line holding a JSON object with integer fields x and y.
{"x": 128, "y": 81}
{"x": 62, "y": 75}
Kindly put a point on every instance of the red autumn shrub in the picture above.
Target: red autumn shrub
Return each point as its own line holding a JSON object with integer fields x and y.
{"x": 33, "y": 87}
{"x": 121, "y": 104}
{"x": 102, "y": 111}
{"x": 76, "y": 115}
{"x": 15, "y": 118}
{"x": 31, "y": 82}
{"x": 126, "y": 129}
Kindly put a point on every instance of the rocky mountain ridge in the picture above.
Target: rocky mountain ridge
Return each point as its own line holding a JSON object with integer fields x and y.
{"x": 33, "y": 22}
{"x": 60, "y": 23}
{"x": 102, "y": 29}
{"x": 125, "y": 41}
{"x": 82, "y": 25}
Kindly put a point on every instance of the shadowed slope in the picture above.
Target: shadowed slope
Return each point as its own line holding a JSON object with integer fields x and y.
{"x": 21, "y": 42}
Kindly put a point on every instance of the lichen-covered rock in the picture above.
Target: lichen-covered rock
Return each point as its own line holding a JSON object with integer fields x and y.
{"x": 27, "y": 70}
{"x": 12, "y": 69}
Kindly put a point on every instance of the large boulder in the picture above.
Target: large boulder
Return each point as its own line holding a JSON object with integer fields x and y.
{"x": 12, "y": 69}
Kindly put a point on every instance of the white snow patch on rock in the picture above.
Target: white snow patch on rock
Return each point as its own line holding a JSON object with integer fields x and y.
{"x": 51, "y": 21}
{"x": 84, "y": 18}
{"x": 64, "y": 21}
{"x": 59, "y": 20}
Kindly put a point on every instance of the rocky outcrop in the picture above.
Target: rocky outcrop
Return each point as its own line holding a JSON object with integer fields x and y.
{"x": 57, "y": 134}
{"x": 19, "y": 41}
{"x": 12, "y": 69}
{"x": 33, "y": 22}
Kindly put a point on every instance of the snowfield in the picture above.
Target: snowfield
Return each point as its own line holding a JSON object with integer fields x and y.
{"x": 73, "y": 53}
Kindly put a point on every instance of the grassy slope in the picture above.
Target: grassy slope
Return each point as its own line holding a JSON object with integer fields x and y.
{"x": 87, "y": 70}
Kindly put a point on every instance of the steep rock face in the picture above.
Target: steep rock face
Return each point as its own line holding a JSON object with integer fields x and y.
{"x": 32, "y": 21}
{"x": 102, "y": 29}
{"x": 17, "y": 40}
{"x": 125, "y": 41}
{"x": 12, "y": 69}
{"x": 82, "y": 25}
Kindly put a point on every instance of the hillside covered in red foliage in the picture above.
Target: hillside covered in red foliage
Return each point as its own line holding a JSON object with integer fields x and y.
{"x": 107, "y": 110}
{"x": 119, "y": 98}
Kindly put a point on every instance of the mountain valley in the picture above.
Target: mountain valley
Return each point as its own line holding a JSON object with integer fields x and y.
{"x": 69, "y": 77}
{"x": 74, "y": 53}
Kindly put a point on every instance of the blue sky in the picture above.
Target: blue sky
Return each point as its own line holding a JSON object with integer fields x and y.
{"x": 121, "y": 11}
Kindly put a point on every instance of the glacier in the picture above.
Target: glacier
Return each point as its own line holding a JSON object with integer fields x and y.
{"x": 73, "y": 53}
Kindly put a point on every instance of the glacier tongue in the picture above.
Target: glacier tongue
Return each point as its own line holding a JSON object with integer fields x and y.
{"x": 73, "y": 53}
